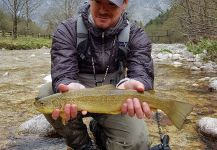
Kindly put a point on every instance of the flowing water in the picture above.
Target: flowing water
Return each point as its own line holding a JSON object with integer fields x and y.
{"x": 22, "y": 72}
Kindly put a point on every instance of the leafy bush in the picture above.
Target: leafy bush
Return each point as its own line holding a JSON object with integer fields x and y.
{"x": 209, "y": 47}
{"x": 24, "y": 43}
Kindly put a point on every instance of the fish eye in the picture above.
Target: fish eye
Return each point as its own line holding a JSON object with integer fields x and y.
{"x": 40, "y": 103}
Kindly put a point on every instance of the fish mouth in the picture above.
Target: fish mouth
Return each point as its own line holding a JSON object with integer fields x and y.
{"x": 37, "y": 98}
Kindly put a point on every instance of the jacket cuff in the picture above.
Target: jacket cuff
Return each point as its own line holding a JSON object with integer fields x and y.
{"x": 122, "y": 81}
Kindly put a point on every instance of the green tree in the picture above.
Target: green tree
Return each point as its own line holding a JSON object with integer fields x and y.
{"x": 30, "y": 7}
{"x": 59, "y": 11}
{"x": 15, "y": 8}
{"x": 5, "y": 23}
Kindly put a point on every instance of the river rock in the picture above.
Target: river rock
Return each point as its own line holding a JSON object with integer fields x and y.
{"x": 213, "y": 85}
{"x": 176, "y": 57}
{"x": 177, "y": 64}
{"x": 37, "y": 125}
{"x": 207, "y": 67}
{"x": 208, "y": 126}
{"x": 163, "y": 56}
{"x": 48, "y": 78}
{"x": 204, "y": 79}
{"x": 5, "y": 74}
{"x": 44, "y": 47}
{"x": 33, "y": 55}
{"x": 197, "y": 64}
{"x": 194, "y": 68}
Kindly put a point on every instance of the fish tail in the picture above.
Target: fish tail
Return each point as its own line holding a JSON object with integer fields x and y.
{"x": 178, "y": 111}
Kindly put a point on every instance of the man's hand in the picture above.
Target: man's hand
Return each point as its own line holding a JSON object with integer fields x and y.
{"x": 70, "y": 110}
{"x": 133, "y": 106}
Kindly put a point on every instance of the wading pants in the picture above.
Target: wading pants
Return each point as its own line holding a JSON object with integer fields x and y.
{"x": 120, "y": 132}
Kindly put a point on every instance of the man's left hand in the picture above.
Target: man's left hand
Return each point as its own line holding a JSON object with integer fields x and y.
{"x": 133, "y": 106}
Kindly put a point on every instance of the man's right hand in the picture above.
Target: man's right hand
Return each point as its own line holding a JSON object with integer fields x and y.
{"x": 70, "y": 110}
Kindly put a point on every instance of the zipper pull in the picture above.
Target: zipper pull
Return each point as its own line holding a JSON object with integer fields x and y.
{"x": 103, "y": 35}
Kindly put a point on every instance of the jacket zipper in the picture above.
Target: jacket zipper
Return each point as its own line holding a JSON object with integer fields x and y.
{"x": 103, "y": 50}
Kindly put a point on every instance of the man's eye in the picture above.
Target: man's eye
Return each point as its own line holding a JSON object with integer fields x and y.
{"x": 97, "y": 1}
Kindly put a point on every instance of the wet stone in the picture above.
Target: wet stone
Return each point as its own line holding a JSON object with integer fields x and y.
{"x": 163, "y": 118}
{"x": 208, "y": 127}
{"x": 213, "y": 86}
{"x": 37, "y": 125}
{"x": 206, "y": 111}
{"x": 35, "y": 143}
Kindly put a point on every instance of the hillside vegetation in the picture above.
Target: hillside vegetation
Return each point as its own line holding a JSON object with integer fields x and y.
{"x": 175, "y": 26}
{"x": 25, "y": 39}
{"x": 190, "y": 20}
{"x": 6, "y": 25}
{"x": 166, "y": 28}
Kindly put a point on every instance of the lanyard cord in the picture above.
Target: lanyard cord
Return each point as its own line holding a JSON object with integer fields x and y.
{"x": 94, "y": 73}
{"x": 158, "y": 124}
{"x": 93, "y": 64}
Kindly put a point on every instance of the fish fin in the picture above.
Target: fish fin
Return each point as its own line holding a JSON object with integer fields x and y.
{"x": 106, "y": 87}
{"x": 114, "y": 112}
{"x": 63, "y": 117}
{"x": 177, "y": 112}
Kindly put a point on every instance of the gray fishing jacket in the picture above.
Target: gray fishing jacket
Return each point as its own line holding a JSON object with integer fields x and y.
{"x": 66, "y": 63}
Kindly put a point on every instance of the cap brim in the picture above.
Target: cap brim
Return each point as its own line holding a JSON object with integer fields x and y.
{"x": 116, "y": 2}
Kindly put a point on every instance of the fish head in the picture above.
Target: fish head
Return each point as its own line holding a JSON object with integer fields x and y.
{"x": 43, "y": 106}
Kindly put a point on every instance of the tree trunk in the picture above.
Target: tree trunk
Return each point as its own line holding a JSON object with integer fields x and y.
{"x": 14, "y": 36}
{"x": 27, "y": 16}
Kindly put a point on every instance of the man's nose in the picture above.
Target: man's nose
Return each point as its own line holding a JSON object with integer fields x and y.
{"x": 103, "y": 9}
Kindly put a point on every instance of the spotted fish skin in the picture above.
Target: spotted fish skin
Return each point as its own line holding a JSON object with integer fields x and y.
{"x": 108, "y": 100}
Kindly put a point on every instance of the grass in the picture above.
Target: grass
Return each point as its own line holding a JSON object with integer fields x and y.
{"x": 165, "y": 51}
{"x": 206, "y": 46}
{"x": 24, "y": 43}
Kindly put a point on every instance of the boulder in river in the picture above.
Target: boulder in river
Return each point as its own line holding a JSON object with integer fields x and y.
{"x": 213, "y": 84}
{"x": 208, "y": 127}
{"x": 37, "y": 125}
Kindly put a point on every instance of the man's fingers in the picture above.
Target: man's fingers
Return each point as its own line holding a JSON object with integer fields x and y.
{"x": 137, "y": 108}
{"x": 146, "y": 110}
{"x": 73, "y": 111}
{"x": 140, "y": 88}
{"x": 130, "y": 107}
{"x": 84, "y": 112}
{"x": 55, "y": 114}
{"x": 63, "y": 88}
{"x": 67, "y": 110}
{"x": 124, "y": 109}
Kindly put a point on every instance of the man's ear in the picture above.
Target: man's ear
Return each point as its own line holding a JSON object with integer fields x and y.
{"x": 125, "y": 4}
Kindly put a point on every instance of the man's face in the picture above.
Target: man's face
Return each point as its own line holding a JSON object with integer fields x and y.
{"x": 105, "y": 13}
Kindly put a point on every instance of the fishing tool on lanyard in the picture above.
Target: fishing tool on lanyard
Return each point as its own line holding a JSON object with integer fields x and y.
{"x": 108, "y": 65}
{"x": 164, "y": 138}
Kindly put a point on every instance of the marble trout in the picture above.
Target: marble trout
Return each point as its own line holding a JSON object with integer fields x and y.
{"x": 108, "y": 100}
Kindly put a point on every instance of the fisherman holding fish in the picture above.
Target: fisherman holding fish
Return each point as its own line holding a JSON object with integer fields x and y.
{"x": 95, "y": 49}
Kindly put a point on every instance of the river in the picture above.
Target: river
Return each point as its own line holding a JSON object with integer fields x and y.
{"x": 22, "y": 72}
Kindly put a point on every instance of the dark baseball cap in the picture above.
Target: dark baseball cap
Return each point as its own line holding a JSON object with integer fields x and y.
{"x": 117, "y": 2}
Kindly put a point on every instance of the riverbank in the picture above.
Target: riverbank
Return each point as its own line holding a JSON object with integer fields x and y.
{"x": 22, "y": 43}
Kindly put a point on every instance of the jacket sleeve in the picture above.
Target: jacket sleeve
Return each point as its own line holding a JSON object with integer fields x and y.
{"x": 64, "y": 64}
{"x": 139, "y": 60}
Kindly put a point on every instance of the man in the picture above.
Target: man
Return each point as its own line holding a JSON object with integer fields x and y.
{"x": 100, "y": 63}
